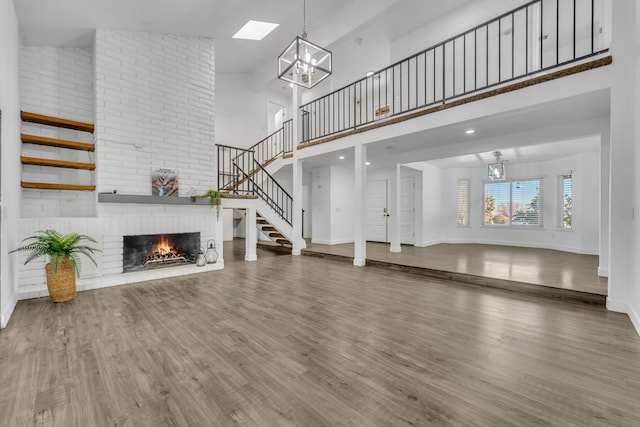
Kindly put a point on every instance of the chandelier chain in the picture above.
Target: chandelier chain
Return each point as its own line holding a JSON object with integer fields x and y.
{"x": 304, "y": 19}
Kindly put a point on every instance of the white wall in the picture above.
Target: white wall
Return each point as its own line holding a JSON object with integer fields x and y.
{"x": 332, "y": 206}
{"x": 57, "y": 82}
{"x": 433, "y": 217}
{"x": 342, "y": 205}
{"x": 241, "y": 116}
{"x": 635, "y": 296}
{"x": 321, "y": 205}
{"x": 9, "y": 158}
{"x": 456, "y": 22}
{"x": 440, "y": 218}
{"x": 154, "y": 107}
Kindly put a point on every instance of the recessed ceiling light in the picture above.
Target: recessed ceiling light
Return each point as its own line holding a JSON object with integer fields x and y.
{"x": 368, "y": 163}
{"x": 341, "y": 157}
{"x": 290, "y": 84}
{"x": 255, "y": 30}
{"x": 470, "y": 132}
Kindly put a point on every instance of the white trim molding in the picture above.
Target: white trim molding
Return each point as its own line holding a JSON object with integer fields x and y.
{"x": 624, "y": 307}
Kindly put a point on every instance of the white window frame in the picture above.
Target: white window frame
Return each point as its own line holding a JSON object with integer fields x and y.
{"x": 539, "y": 226}
{"x": 561, "y": 179}
{"x": 467, "y": 207}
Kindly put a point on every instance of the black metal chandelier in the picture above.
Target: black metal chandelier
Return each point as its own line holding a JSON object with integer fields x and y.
{"x": 304, "y": 63}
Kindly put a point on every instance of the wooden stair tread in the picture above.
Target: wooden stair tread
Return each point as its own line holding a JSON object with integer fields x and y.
{"x": 283, "y": 241}
{"x": 56, "y": 163}
{"x": 56, "y": 121}
{"x": 262, "y": 221}
{"x": 267, "y": 229}
{"x": 276, "y": 236}
{"x": 59, "y": 143}
{"x": 47, "y": 186}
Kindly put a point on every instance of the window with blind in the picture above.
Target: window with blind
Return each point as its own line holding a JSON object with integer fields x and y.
{"x": 515, "y": 203}
{"x": 566, "y": 201}
{"x": 464, "y": 186}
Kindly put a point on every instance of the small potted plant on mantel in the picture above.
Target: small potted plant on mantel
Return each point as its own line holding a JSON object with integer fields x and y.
{"x": 64, "y": 265}
{"x": 214, "y": 197}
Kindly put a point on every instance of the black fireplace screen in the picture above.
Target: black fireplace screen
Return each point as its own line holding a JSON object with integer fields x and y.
{"x": 149, "y": 251}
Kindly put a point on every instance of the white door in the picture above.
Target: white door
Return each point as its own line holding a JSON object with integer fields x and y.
{"x": 407, "y": 209}
{"x": 377, "y": 211}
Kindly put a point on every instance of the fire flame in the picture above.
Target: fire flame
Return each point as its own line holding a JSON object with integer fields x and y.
{"x": 164, "y": 246}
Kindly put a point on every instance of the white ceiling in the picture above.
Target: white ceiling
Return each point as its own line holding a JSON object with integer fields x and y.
{"x": 71, "y": 23}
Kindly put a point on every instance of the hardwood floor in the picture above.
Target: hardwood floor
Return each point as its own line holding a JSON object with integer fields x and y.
{"x": 544, "y": 267}
{"x": 304, "y": 341}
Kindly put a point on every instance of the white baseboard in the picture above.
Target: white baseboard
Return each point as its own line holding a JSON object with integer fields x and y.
{"x": 251, "y": 257}
{"x": 395, "y": 249}
{"x": 6, "y": 313}
{"x": 603, "y": 272}
{"x": 429, "y": 243}
{"x": 624, "y": 307}
{"x": 359, "y": 262}
{"x": 331, "y": 242}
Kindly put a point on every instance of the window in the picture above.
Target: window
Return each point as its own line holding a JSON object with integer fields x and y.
{"x": 513, "y": 203}
{"x": 566, "y": 202}
{"x": 463, "y": 201}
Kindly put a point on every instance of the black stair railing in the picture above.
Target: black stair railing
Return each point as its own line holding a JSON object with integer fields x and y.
{"x": 266, "y": 150}
{"x": 536, "y": 37}
{"x": 239, "y": 172}
{"x": 228, "y": 177}
{"x": 274, "y": 145}
{"x": 259, "y": 182}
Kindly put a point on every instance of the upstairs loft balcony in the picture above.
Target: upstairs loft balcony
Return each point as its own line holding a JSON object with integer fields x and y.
{"x": 537, "y": 42}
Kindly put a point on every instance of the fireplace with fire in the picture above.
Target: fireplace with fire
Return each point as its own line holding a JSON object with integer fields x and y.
{"x": 149, "y": 251}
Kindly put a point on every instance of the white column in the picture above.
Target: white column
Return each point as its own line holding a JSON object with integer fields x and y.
{"x": 622, "y": 189}
{"x": 219, "y": 238}
{"x": 395, "y": 213}
{"x": 603, "y": 259}
{"x": 360, "y": 211}
{"x": 251, "y": 239}
{"x": 298, "y": 242}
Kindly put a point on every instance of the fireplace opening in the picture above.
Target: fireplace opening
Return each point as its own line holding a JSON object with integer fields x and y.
{"x": 144, "y": 252}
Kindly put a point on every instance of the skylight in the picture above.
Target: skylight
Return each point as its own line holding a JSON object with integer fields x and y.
{"x": 255, "y": 30}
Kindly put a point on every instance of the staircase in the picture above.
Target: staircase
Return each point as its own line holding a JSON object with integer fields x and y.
{"x": 242, "y": 171}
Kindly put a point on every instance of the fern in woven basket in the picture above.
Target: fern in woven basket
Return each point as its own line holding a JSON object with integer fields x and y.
{"x": 59, "y": 247}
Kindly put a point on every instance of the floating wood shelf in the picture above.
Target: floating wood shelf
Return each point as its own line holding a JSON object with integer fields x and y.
{"x": 56, "y": 121}
{"x": 56, "y": 163}
{"x": 47, "y": 186}
{"x": 58, "y": 143}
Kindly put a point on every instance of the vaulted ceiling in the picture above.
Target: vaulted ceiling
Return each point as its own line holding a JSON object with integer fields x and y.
{"x": 71, "y": 23}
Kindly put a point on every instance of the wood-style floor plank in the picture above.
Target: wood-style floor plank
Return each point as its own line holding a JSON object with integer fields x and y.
{"x": 306, "y": 341}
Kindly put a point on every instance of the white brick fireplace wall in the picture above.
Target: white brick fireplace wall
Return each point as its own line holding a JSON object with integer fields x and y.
{"x": 153, "y": 97}
{"x": 154, "y": 107}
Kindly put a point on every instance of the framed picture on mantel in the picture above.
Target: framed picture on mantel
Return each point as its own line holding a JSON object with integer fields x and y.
{"x": 164, "y": 182}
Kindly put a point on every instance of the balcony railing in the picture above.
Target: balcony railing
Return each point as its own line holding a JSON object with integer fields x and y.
{"x": 537, "y": 37}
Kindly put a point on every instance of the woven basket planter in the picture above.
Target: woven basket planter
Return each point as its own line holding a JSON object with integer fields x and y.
{"x": 61, "y": 285}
